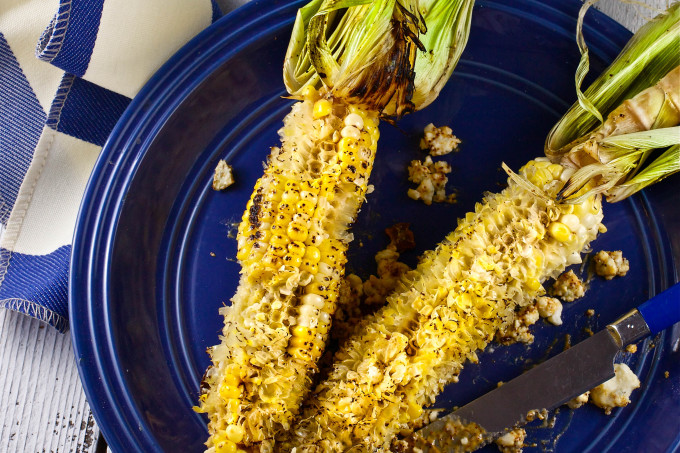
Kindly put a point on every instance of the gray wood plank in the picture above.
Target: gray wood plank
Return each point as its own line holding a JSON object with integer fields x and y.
{"x": 41, "y": 397}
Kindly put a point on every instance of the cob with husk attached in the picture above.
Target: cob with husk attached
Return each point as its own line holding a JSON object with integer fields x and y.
{"x": 348, "y": 64}
{"x": 484, "y": 273}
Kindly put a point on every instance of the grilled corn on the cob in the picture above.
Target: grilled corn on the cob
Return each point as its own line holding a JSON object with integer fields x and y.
{"x": 291, "y": 245}
{"x": 459, "y": 296}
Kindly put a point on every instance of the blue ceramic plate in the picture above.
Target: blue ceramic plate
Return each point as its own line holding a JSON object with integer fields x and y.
{"x": 154, "y": 252}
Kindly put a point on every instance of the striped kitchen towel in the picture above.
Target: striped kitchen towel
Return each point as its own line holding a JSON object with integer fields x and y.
{"x": 68, "y": 69}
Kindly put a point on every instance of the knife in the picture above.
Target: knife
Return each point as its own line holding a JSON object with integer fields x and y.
{"x": 550, "y": 384}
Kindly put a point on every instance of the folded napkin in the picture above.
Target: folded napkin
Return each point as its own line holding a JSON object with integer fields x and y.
{"x": 68, "y": 69}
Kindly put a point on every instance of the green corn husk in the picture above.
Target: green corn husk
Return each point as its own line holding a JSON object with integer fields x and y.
{"x": 391, "y": 56}
{"x": 650, "y": 54}
{"x": 664, "y": 166}
{"x": 640, "y": 95}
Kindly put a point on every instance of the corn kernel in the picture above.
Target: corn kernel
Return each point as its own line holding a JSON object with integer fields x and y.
{"x": 299, "y": 353}
{"x": 243, "y": 253}
{"x": 282, "y": 219}
{"x": 322, "y": 107}
{"x": 301, "y": 342}
{"x": 556, "y": 170}
{"x": 312, "y": 254}
{"x": 541, "y": 177}
{"x": 322, "y": 328}
{"x": 571, "y": 221}
{"x": 296, "y": 249}
{"x": 308, "y": 266}
{"x": 538, "y": 259}
{"x": 290, "y": 260}
{"x": 231, "y": 380}
{"x": 309, "y": 92}
{"x": 559, "y": 231}
{"x": 302, "y": 332}
{"x": 228, "y": 392}
{"x": 270, "y": 260}
{"x": 225, "y": 446}
{"x": 290, "y": 196}
{"x": 533, "y": 284}
{"x": 347, "y": 144}
{"x": 313, "y": 299}
{"x": 297, "y": 231}
{"x": 306, "y": 207}
{"x": 315, "y": 350}
{"x": 235, "y": 433}
{"x": 414, "y": 410}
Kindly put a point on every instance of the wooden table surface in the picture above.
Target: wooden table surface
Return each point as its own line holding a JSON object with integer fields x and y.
{"x": 42, "y": 400}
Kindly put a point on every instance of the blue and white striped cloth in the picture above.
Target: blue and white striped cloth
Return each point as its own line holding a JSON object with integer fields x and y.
{"x": 68, "y": 69}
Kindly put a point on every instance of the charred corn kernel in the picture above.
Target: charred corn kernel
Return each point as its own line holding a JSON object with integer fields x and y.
{"x": 559, "y": 231}
{"x": 302, "y": 332}
{"x": 309, "y": 266}
{"x": 290, "y": 196}
{"x": 445, "y": 312}
{"x": 297, "y": 231}
{"x": 296, "y": 249}
{"x": 283, "y": 219}
{"x": 306, "y": 207}
{"x": 290, "y": 260}
{"x": 286, "y": 208}
{"x": 300, "y": 342}
{"x": 347, "y": 144}
{"x": 298, "y": 205}
{"x": 270, "y": 260}
{"x": 279, "y": 240}
{"x": 322, "y": 108}
{"x": 299, "y": 353}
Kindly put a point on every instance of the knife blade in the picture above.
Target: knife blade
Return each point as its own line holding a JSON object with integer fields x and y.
{"x": 550, "y": 384}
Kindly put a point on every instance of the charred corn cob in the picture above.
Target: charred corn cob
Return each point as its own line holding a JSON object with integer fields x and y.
{"x": 493, "y": 264}
{"x": 361, "y": 57}
{"x": 291, "y": 244}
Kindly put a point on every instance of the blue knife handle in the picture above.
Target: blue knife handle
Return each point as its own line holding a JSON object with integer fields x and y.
{"x": 662, "y": 310}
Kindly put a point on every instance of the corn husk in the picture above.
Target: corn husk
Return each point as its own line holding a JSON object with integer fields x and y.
{"x": 649, "y": 55}
{"x": 640, "y": 96}
{"x": 391, "y": 56}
